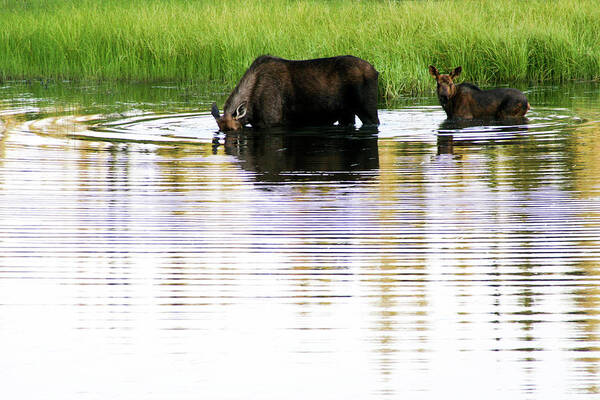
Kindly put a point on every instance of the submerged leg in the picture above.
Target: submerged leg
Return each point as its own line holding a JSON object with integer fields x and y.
{"x": 368, "y": 117}
{"x": 367, "y": 105}
{"x": 347, "y": 120}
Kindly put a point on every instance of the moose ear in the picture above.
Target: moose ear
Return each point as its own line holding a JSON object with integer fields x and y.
{"x": 240, "y": 111}
{"x": 215, "y": 111}
{"x": 433, "y": 71}
{"x": 456, "y": 72}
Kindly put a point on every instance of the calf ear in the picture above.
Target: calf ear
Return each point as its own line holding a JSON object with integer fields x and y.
{"x": 433, "y": 71}
{"x": 215, "y": 111}
{"x": 456, "y": 72}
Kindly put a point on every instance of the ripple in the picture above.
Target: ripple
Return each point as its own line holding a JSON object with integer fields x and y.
{"x": 146, "y": 241}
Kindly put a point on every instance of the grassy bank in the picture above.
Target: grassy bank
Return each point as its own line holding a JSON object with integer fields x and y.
{"x": 197, "y": 41}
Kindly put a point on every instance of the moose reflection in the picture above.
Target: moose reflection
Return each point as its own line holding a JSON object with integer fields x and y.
{"x": 304, "y": 156}
{"x": 473, "y": 131}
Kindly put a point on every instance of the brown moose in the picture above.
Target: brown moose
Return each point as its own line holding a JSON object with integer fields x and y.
{"x": 296, "y": 93}
{"x": 467, "y": 101}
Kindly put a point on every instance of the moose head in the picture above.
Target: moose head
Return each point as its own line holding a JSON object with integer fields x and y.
{"x": 446, "y": 89}
{"x": 230, "y": 121}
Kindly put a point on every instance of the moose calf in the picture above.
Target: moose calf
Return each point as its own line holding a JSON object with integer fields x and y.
{"x": 467, "y": 101}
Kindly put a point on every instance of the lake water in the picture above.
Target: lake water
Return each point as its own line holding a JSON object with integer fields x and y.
{"x": 145, "y": 256}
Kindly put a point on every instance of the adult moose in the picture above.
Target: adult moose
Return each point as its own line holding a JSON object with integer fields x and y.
{"x": 467, "y": 101}
{"x": 295, "y": 93}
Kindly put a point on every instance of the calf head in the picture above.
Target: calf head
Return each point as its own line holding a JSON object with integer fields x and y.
{"x": 230, "y": 121}
{"x": 446, "y": 89}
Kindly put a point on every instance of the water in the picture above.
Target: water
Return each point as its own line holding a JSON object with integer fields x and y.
{"x": 144, "y": 256}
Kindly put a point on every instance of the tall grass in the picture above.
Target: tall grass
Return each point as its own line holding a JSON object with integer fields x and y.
{"x": 197, "y": 41}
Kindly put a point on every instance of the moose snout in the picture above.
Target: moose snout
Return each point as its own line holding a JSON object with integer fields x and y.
{"x": 444, "y": 99}
{"x": 227, "y": 123}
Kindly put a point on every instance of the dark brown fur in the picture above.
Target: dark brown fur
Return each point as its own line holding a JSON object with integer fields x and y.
{"x": 279, "y": 92}
{"x": 467, "y": 101}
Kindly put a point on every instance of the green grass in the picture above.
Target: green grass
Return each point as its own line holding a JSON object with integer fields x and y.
{"x": 496, "y": 41}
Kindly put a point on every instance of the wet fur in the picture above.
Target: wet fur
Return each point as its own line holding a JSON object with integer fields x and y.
{"x": 279, "y": 92}
{"x": 471, "y": 102}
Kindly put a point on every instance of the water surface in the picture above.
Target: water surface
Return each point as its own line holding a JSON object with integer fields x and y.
{"x": 143, "y": 255}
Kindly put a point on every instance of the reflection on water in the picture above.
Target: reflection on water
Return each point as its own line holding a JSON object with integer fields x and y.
{"x": 144, "y": 255}
{"x": 334, "y": 155}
